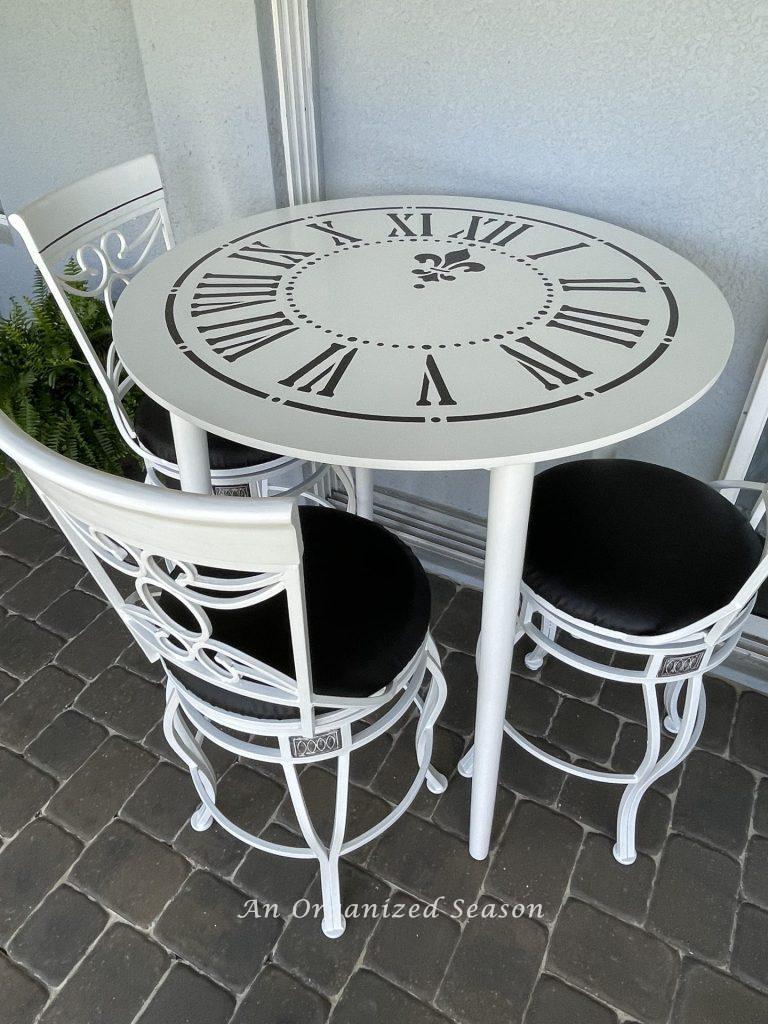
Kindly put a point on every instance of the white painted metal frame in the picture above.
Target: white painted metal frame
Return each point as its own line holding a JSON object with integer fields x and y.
{"x": 159, "y": 538}
{"x": 111, "y": 224}
{"x": 678, "y": 660}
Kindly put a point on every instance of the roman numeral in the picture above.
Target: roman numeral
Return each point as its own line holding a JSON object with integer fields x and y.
{"x": 220, "y": 293}
{"x": 339, "y": 237}
{"x": 403, "y": 229}
{"x": 601, "y": 284}
{"x": 260, "y": 252}
{"x": 256, "y": 332}
{"x": 547, "y": 367}
{"x": 331, "y": 366}
{"x": 433, "y": 379}
{"x": 503, "y": 232}
{"x": 554, "y": 252}
{"x": 580, "y": 321}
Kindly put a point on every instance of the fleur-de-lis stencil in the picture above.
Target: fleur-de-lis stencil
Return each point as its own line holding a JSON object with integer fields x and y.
{"x": 443, "y": 268}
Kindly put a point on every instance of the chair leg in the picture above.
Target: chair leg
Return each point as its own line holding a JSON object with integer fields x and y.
{"x": 671, "y": 705}
{"x": 653, "y": 767}
{"x": 333, "y": 923}
{"x": 430, "y": 708}
{"x": 535, "y": 658}
{"x": 190, "y": 751}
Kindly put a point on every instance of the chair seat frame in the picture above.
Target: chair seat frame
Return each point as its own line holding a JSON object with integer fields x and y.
{"x": 678, "y": 660}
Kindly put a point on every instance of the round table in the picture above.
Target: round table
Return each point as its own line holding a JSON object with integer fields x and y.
{"x": 426, "y": 333}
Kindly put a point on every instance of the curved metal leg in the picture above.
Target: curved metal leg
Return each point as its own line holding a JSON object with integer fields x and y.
{"x": 190, "y": 751}
{"x": 671, "y": 705}
{"x": 333, "y": 923}
{"x": 535, "y": 659}
{"x": 652, "y": 767}
{"x": 430, "y": 709}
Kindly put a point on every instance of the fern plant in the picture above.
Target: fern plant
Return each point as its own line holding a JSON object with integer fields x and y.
{"x": 47, "y": 387}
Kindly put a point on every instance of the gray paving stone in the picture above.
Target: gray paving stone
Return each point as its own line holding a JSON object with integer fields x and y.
{"x": 706, "y": 996}
{"x": 556, "y": 1003}
{"x": 124, "y": 702}
{"x": 531, "y": 705}
{"x": 247, "y": 798}
{"x": 96, "y": 648}
{"x": 30, "y": 542}
{"x": 714, "y": 802}
{"x": 163, "y": 803}
{"x": 202, "y": 924}
{"x": 135, "y": 660}
{"x": 36, "y": 590}
{"x": 760, "y": 816}
{"x": 750, "y": 728}
{"x": 68, "y": 741}
{"x": 620, "y": 889}
{"x": 7, "y": 685}
{"x": 694, "y": 898}
{"x": 25, "y": 647}
{"x": 443, "y": 592}
{"x": 625, "y": 699}
{"x": 11, "y": 572}
{"x": 185, "y": 997}
{"x": 112, "y": 982}
{"x": 35, "y": 703}
{"x": 368, "y": 997}
{"x": 22, "y": 996}
{"x": 413, "y": 951}
{"x": 755, "y": 876}
{"x": 494, "y": 968}
{"x": 750, "y": 945}
{"x": 417, "y": 856}
{"x": 303, "y": 949}
{"x": 721, "y": 703}
{"x": 459, "y": 625}
{"x": 525, "y": 775}
{"x": 275, "y": 879}
{"x": 535, "y": 858}
{"x": 71, "y": 613}
{"x": 30, "y": 865}
{"x": 584, "y": 729}
{"x": 396, "y": 774}
{"x": 452, "y": 811}
{"x": 570, "y": 680}
{"x": 24, "y": 791}
{"x": 458, "y": 715}
{"x": 277, "y": 996}
{"x": 130, "y": 873}
{"x": 57, "y": 935}
{"x": 596, "y": 804}
{"x": 100, "y": 787}
{"x": 618, "y": 962}
{"x": 367, "y": 760}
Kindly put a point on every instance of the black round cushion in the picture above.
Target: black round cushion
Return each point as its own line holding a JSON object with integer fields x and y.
{"x": 633, "y": 547}
{"x": 368, "y": 607}
{"x": 152, "y": 424}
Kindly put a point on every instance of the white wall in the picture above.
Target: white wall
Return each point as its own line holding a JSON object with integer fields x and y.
{"x": 651, "y": 115}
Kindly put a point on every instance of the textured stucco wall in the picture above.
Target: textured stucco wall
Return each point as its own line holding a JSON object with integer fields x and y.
{"x": 73, "y": 101}
{"x": 649, "y": 115}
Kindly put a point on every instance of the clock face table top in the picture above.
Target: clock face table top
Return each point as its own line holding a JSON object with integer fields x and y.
{"x": 423, "y": 332}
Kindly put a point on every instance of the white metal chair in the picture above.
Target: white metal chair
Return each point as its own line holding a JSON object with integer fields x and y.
{"x": 289, "y": 635}
{"x": 643, "y": 561}
{"x": 111, "y": 224}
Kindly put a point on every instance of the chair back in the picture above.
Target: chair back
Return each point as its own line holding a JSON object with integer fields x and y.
{"x": 185, "y": 554}
{"x": 109, "y": 225}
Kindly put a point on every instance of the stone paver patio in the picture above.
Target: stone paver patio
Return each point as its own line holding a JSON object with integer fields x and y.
{"x": 112, "y": 909}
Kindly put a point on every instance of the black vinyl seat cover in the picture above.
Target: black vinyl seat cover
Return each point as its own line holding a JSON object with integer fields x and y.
{"x": 368, "y": 607}
{"x": 633, "y": 547}
{"x": 152, "y": 424}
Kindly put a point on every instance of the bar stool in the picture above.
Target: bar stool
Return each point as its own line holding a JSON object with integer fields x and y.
{"x": 644, "y": 561}
{"x": 289, "y": 635}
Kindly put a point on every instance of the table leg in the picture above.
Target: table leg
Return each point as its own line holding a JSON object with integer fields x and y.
{"x": 508, "y": 508}
{"x": 191, "y": 445}
{"x": 364, "y": 492}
